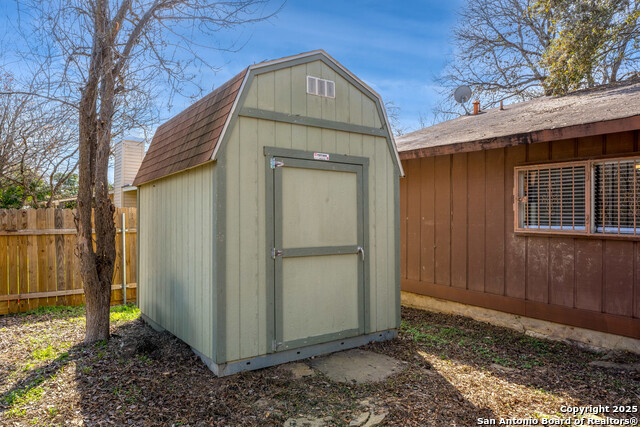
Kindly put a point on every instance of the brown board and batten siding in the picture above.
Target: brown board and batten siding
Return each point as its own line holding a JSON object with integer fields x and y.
{"x": 458, "y": 240}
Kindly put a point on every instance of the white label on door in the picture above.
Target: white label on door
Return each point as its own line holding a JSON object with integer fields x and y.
{"x": 320, "y": 156}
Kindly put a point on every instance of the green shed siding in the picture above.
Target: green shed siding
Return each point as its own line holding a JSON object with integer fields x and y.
{"x": 284, "y": 91}
{"x": 205, "y": 271}
{"x": 176, "y": 253}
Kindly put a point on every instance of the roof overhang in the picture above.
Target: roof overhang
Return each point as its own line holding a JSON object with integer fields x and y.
{"x": 545, "y": 135}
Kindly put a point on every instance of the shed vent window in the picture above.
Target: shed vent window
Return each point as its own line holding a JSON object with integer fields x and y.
{"x": 552, "y": 198}
{"x": 616, "y": 196}
{"x": 321, "y": 87}
{"x": 597, "y": 197}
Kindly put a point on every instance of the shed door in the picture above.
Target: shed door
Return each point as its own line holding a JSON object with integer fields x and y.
{"x": 318, "y": 253}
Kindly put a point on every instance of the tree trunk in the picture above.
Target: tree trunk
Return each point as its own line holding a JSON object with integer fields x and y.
{"x": 97, "y": 302}
{"x": 93, "y": 190}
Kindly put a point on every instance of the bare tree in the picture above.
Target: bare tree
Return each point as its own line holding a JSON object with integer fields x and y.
{"x": 111, "y": 61}
{"x": 393, "y": 114}
{"x": 506, "y": 50}
{"x": 499, "y": 45}
{"x": 38, "y": 145}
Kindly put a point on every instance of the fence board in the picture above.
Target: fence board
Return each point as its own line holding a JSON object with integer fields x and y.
{"x": 32, "y": 257}
{"x": 12, "y": 250}
{"x": 38, "y": 262}
{"x": 51, "y": 255}
{"x": 23, "y": 266}
{"x": 4, "y": 264}
{"x": 59, "y": 248}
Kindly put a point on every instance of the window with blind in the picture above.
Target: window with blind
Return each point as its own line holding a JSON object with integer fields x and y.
{"x": 589, "y": 197}
{"x": 553, "y": 198}
{"x": 615, "y": 199}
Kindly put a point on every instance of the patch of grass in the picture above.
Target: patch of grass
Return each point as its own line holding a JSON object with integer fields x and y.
{"x": 124, "y": 313}
{"x": 502, "y": 361}
{"x": 49, "y": 352}
{"x": 431, "y": 335}
{"x": 19, "y": 398}
{"x": 536, "y": 345}
{"x": 59, "y": 311}
{"x": 53, "y": 411}
{"x": 490, "y": 355}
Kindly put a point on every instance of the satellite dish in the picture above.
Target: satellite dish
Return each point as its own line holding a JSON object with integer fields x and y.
{"x": 462, "y": 94}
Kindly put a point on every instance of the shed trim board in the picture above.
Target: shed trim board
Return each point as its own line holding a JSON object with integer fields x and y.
{"x": 272, "y": 359}
{"x": 295, "y": 119}
{"x": 137, "y": 247}
{"x": 220, "y": 260}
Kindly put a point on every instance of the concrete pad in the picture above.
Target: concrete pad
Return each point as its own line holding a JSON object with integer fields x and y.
{"x": 357, "y": 366}
{"x": 299, "y": 370}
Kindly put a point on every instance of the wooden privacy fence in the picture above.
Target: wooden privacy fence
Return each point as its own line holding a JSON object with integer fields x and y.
{"x": 38, "y": 265}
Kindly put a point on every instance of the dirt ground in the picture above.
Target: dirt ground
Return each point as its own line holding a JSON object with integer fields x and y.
{"x": 455, "y": 371}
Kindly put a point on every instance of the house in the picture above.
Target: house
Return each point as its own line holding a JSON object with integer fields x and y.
{"x": 529, "y": 216}
{"x": 268, "y": 219}
{"x": 127, "y": 158}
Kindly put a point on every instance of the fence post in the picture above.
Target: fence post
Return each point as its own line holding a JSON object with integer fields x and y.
{"x": 124, "y": 258}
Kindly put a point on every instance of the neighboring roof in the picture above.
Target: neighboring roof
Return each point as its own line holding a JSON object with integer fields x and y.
{"x": 194, "y": 136}
{"x": 188, "y": 139}
{"x": 540, "y": 119}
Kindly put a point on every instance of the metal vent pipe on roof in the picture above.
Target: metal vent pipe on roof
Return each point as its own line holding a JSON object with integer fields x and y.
{"x": 476, "y": 107}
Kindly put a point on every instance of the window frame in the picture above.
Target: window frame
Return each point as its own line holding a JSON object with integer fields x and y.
{"x": 590, "y": 229}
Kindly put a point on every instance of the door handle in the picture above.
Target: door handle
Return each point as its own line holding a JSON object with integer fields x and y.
{"x": 360, "y": 250}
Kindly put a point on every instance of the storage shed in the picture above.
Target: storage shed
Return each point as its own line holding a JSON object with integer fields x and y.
{"x": 268, "y": 218}
{"x": 533, "y": 211}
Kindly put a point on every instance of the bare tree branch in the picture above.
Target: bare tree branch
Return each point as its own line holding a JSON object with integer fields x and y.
{"x": 111, "y": 62}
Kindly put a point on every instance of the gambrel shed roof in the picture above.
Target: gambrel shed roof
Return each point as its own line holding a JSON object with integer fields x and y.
{"x": 188, "y": 139}
{"x": 194, "y": 136}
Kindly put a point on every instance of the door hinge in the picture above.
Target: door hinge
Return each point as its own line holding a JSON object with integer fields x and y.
{"x": 276, "y": 253}
{"x": 276, "y": 163}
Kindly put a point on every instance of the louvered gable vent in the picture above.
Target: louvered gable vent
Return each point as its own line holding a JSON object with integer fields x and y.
{"x": 321, "y": 87}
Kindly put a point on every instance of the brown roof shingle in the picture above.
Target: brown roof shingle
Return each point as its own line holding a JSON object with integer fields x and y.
{"x": 469, "y": 133}
{"x": 188, "y": 139}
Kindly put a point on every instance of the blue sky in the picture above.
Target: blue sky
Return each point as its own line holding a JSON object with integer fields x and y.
{"x": 395, "y": 47}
